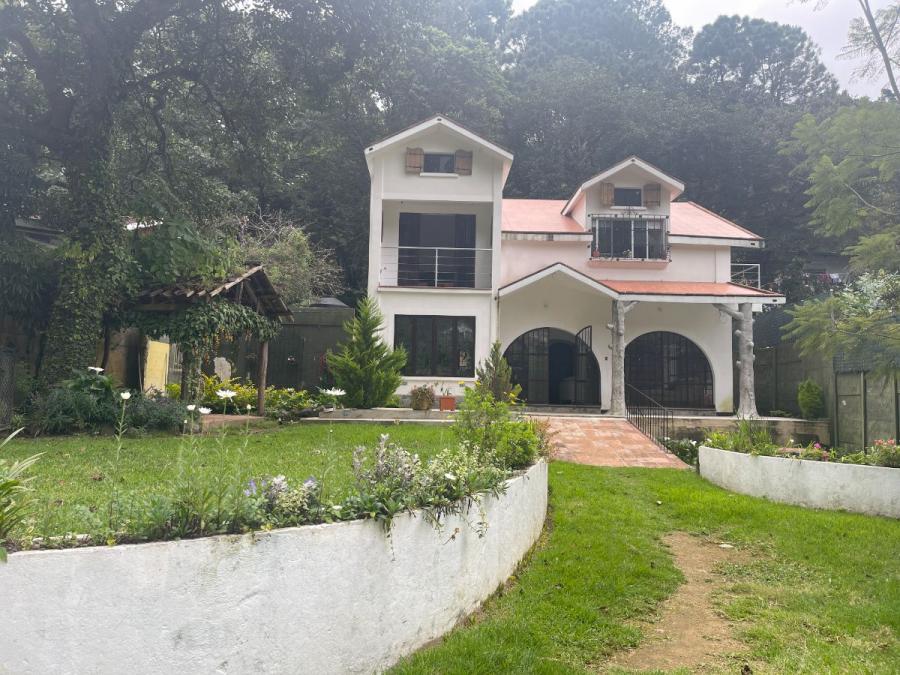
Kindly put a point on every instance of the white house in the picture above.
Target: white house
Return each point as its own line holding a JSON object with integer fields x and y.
{"x": 617, "y": 293}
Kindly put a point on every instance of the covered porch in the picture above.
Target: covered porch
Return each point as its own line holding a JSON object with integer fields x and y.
{"x": 575, "y": 340}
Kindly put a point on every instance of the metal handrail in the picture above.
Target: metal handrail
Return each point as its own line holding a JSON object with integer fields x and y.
{"x": 650, "y": 417}
{"x": 748, "y": 274}
{"x": 436, "y": 267}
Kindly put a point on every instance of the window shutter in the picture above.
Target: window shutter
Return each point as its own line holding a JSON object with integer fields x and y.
{"x": 607, "y": 194}
{"x": 463, "y": 162}
{"x": 415, "y": 160}
{"x": 652, "y": 195}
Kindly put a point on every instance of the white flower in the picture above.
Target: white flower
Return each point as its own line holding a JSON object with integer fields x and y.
{"x": 334, "y": 391}
{"x": 226, "y": 393}
{"x": 192, "y": 407}
{"x": 249, "y": 407}
{"x": 449, "y": 476}
{"x": 125, "y": 395}
{"x": 205, "y": 411}
{"x": 95, "y": 369}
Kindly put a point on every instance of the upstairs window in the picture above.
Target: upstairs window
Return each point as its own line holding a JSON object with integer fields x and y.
{"x": 627, "y": 197}
{"x": 630, "y": 238}
{"x": 456, "y": 163}
{"x": 439, "y": 163}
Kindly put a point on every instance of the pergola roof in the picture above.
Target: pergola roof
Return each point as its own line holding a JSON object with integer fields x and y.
{"x": 251, "y": 288}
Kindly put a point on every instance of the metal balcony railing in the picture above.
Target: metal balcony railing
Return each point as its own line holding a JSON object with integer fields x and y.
{"x": 652, "y": 419}
{"x": 747, "y": 274}
{"x": 630, "y": 236}
{"x": 435, "y": 267}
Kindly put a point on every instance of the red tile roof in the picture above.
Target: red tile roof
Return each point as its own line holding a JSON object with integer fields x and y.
{"x": 537, "y": 215}
{"x": 687, "y": 219}
{"x": 684, "y": 288}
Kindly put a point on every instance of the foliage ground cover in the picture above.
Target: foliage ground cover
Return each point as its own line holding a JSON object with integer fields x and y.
{"x": 818, "y": 593}
{"x": 753, "y": 438}
{"x": 74, "y": 479}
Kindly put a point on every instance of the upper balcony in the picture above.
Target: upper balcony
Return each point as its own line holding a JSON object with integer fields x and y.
{"x": 435, "y": 267}
{"x": 630, "y": 237}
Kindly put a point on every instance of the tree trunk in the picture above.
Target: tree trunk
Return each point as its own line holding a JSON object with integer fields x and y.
{"x": 94, "y": 265}
{"x": 261, "y": 375}
{"x": 744, "y": 333}
{"x": 617, "y": 399}
{"x": 190, "y": 375}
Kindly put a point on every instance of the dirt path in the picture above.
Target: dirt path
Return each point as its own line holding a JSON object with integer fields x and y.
{"x": 689, "y": 634}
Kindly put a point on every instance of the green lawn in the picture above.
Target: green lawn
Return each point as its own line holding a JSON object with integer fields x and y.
{"x": 821, "y": 595}
{"x": 76, "y": 472}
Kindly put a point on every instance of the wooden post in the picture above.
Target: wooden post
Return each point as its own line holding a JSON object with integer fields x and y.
{"x": 744, "y": 333}
{"x": 262, "y": 366}
{"x": 617, "y": 397}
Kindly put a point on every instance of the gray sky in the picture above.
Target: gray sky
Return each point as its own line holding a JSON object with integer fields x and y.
{"x": 827, "y": 26}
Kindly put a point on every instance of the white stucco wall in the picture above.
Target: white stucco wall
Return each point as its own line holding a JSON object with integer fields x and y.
{"x": 689, "y": 263}
{"x": 479, "y": 304}
{"x": 561, "y": 302}
{"x": 872, "y": 490}
{"x": 340, "y": 598}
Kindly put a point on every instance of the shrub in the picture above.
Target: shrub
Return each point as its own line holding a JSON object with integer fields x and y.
{"x": 173, "y": 390}
{"x": 489, "y": 425}
{"x": 155, "y": 412}
{"x": 882, "y": 453}
{"x": 810, "y": 399}
{"x": 365, "y": 367}
{"x": 495, "y": 375}
{"x": 13, "y": 494}
{"x": 422, "y": 398}
{"x": 685, "y": 449}
{"x": 245, "y": 394}
{"x": 289, "y": 404}
{"x": 747, "y": 436}
{"x": 64, "y": 410}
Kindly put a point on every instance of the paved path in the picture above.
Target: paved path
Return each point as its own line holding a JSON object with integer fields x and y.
{"x": 607, "y": 441}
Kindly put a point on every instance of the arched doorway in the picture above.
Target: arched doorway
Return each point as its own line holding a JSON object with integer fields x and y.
{"x": 670, "y": 369}
{"x": 555, "y": 367}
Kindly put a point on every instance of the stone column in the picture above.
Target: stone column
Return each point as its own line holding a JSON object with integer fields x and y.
{"x": 744, "y": 332}
{"x": 262, "y": 372}
{"x": 617, "y": 328}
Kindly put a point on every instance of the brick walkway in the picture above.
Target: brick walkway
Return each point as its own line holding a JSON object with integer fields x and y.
{"x": 607, "y": 441}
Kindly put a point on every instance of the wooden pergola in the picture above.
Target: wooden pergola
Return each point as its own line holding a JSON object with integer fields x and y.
{"x": 251, "y": 288}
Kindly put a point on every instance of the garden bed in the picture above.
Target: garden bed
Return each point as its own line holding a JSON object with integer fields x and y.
{"x": 873, "y": 490}
{"x": 331, "y": 598}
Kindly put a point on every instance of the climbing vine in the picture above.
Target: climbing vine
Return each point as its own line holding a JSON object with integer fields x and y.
{"x": 200, "y": 327}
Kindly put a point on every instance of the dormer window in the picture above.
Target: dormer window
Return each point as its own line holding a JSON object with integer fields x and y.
{"x": 439, "y": 163}
{"x": 627, "y": 197}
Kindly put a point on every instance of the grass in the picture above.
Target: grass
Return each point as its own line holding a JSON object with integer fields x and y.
{"x": 820, "y": 595}
{"x": 76, "y": 472}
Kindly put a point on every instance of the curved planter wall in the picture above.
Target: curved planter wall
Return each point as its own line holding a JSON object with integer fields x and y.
{"x": 873, "y": 490}
{"x": 340, "y": 598}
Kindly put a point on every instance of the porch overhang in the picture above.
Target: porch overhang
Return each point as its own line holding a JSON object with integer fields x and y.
{"x": 695, "y": 292}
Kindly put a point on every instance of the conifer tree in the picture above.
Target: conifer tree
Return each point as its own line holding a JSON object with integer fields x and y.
{"x": 365, "y": 367}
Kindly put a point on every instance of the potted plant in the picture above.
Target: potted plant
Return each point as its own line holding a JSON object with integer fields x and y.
{"x": 447, "y": 401}
{"x": 421, "y": 397}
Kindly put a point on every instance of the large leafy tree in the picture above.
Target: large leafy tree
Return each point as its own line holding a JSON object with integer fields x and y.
{"x": 852, "y": 162}
{"x": 759, "y": 60}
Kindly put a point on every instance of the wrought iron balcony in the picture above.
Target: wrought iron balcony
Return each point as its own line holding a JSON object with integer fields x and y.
{"x": 630, "y": 236}
{"x": 435, "y": 267}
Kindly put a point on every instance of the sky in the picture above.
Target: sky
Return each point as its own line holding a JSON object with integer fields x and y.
{"x": 826, "y": 26}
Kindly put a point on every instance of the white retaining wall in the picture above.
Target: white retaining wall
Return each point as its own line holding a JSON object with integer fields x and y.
{"x": 339, "y": 598}
{"x": 873, "y": 490}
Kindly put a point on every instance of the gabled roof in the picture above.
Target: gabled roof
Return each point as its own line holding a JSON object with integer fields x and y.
{"x": 686, "y": 219}
{"x": 446, "y": 123}
{"x": 652, "y": 291}
{"x": 676, "y": 187}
